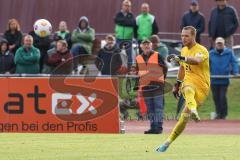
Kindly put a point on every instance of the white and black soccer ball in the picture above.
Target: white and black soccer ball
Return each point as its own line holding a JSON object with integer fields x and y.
{"x": 42, "y": 28}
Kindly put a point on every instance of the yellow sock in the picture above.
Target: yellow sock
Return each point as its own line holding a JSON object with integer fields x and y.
{"x": 189, "y": 94}
{"x": 180, "y": 126}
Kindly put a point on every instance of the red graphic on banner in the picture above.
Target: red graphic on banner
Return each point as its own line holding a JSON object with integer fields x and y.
{"x": 31, "y": 105}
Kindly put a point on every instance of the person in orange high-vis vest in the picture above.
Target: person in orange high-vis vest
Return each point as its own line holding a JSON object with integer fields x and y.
{"x": 152, "y": 71}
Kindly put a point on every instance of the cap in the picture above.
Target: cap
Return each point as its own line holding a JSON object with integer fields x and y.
{"x": 220, "y": 40}
{"x": 146, "y": 41}
{"x": 194, "y": 2}
{"x": 110, "y": 37}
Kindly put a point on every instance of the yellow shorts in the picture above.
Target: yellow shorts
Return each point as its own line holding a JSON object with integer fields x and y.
{"x": 200, "y": 94}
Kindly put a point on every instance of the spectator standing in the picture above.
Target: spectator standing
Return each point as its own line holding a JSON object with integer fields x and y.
{"x": 146, "y": 24}
{"x": 152, "y": 71}
{"x": 194, "y": 18}
{"x": 27, "y": 57}
{"x": 124, "y": 28}
{"x": 7, "y": 64}
{"x": 109, "y": 60}
{"x": 222, "y": 60}
{"x": 13, "y": 35}
{"x": 223, "y": 22}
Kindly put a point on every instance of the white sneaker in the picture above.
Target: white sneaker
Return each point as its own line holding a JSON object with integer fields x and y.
{"x": 195, "y": 116}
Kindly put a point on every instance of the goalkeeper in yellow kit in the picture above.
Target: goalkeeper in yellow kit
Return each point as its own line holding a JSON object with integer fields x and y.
{"x": 193, "y": 81}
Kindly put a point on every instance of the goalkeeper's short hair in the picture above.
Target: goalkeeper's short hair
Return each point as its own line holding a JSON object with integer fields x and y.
{"x": 192, "y": 29}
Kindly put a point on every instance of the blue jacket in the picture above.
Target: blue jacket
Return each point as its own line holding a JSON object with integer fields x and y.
{"x": 230, "y": 18}
{"x": 222, "y": 64}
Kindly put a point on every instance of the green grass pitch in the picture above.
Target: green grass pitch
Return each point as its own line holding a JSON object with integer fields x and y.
{"x": 116, "y": 147}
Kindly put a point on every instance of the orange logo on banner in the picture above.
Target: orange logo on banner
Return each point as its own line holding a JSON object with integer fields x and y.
{"x": 59, "y": 105}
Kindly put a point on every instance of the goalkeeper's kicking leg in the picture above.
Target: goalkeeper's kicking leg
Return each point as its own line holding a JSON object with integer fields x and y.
{"x": 178, "y": 129}
{"x": 189, "y": 110}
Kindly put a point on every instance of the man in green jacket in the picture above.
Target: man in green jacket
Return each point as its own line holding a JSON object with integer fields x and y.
{"x": 146, "y": 24}
{"x": 82, "y": 40}
{"x": 124, "y": 28}
{"x": 27, "y": 57}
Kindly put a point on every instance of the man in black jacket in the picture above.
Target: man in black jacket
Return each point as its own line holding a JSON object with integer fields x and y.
{"x": 194, "y": 18}
{"x": 223, "y": 23}
{"x": 124, "y": 29}
{"x": 43, "y": 44}
{"x": 109, "y": 60}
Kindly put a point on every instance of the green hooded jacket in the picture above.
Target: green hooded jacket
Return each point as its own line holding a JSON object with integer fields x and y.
{"x": 84, "y": 37}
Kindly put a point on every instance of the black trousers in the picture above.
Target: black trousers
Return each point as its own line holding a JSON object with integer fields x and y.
{"x": 220, "y": 99}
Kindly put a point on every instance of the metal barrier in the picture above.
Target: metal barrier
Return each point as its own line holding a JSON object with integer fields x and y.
{"x": 104, "y": 76}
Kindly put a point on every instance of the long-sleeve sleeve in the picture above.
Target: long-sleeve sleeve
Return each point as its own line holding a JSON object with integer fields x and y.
{"x": 155, "y": 27}
{"x": 235, "y": 21}
{"x": 183, "y": 22}
{"x": 54, "y": 60}
{"x": 18, "y": 59}
{"x": 12, "y": 66}
{"x": 18, "y": 40}
{"x": 201, "y": 27}
{"x": 98, "y": 61}
{"x": 234, "y": 64}
{"x": 88, "y": 36}
{"x": 74, "y": 37}
{"x": 128, "y": 21}
{"x": 32, "y": 57}
{"x": 116, "y": 63}
{"x": 163, "y": 64}
{"x": 210, "y": 34}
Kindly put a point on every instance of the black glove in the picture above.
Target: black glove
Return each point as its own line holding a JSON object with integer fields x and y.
{"x": 176, "y": 58}
{"x": 176, "y": 89}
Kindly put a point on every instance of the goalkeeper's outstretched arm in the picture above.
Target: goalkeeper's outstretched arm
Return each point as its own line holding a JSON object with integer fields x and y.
{"x": 188, "y": 60}
{"x": 194, "y": 60}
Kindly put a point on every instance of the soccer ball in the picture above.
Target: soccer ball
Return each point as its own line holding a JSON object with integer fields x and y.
{"x": 42, "y": 28}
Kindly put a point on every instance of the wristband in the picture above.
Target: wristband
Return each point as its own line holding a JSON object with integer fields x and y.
{"x": 182, "y": 59}
{"x": 179, "y": 82}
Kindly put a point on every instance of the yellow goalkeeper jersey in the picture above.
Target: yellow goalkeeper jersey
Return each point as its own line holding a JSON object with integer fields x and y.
{"x": 197, "y": 75}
